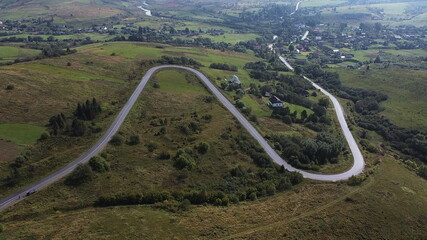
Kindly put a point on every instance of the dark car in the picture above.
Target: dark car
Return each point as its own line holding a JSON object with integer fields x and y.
{"x": 30, "y": 192}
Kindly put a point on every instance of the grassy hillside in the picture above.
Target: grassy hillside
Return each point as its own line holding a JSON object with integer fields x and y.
{"x": 406, "y": 89}
{"x": 378, "y": 209}
{"x": 70, "y": 9}
{"x": 9, "y": 53}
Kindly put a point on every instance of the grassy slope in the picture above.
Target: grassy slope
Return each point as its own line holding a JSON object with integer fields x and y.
{"x": 135, "y": 168}
{"x": 406, "y": 90}
{"x": 379, "y": 209}
{"x": 94, "y": 62}
{"x": 20, "y": 133}
{"x": 70, "y": 9}
{"x": 10, "y": 53}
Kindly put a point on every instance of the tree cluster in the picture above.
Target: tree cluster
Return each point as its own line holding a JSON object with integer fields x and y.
{"x": 309, "y": 153}
{"x": 178, "y": 61}
{"x": 223, "y": 66}
{"x": 87, "y": 111}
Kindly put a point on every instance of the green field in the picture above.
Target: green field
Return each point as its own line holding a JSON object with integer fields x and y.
{"x": 65, "y": 73}
{"x": 10, "y": 53}
{"x": 143, "y": 51}
{"x": 231, "y": 37}
{"x": 407, "y": 91}
{"x": 173, "y": 81}
{"x": 20, "y": 133}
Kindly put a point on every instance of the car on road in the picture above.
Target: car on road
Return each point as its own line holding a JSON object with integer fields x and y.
{"x": 30, "y": 193}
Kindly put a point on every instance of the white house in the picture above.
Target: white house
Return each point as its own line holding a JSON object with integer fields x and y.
{"x": 235, "y": 80}
{"x": 275, "y": 102}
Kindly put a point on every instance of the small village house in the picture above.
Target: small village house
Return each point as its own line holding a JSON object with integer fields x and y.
{"x": 275, "y": 102}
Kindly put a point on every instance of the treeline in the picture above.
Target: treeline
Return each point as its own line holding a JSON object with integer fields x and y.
{"x": 51, "y": 50}
{"x": 223, "y": 66}
{"x": 410, "y": 142}
{"x": 75, "y": 125}
{"x": 240, "y": 185}
{"x": 178, "y": 61}
{"x": 309, "y": 153}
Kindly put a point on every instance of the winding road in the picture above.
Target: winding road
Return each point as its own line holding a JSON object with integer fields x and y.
{"x": 356, "y": 169}
{"x": 296, "y": 8}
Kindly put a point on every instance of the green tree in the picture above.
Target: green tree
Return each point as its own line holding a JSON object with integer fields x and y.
{"x": 116, "y": 140}
{"x": 99, "y": 164}
{"x": 202, "y": 147}
{"x": 83, "y": 173}
{"x": 184, "y": 161}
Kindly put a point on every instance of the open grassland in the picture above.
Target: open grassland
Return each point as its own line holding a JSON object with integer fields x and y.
{"x": 146, "y": 51}
{"x": 92, "y": 36}
{"x": 406, "y": 89}
{"x": 94, "y": 71}
{"x": 61, "y": 89}
{"x": 8, "y": 151}
{"x": 392, "y": 13}
{"x": 319, "y": 3}
{"x": 12, "y": 52}
{"x": 231, "y": 37}
{"x": 72, "y": 9}
{"x": 390, "y": 203}
{"x": 135, "y": 168}
{"x": 20, "y": 133}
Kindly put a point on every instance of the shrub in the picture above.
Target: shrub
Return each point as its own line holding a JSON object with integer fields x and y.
{"x": 82, "y": 174}
{"x": 2, "y": 228}
{"x": 253, "y": 196}
{"x": 164, "y": 155}
{"x": 355, "y": 180}
{"x": 183, "y": 160}
{"x": 185, "y": 205}
{"x": 151, "y": 146}
{"x": 422, "y": 171}
{"x": 116, "y": 140}
{"x": 10, "y": 87}
{"x": 44, "y": 136}
{"x": 202, "y": 147}
{"x": 134, "y": 140}
{"x": 99, "y": 164}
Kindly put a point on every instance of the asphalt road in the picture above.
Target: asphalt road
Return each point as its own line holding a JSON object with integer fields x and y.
{"x": 103, "y": 141}
{"x": 296, "y": 8}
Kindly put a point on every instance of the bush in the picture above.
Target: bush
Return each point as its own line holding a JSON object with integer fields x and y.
{"x": 82, "y": 174}
{"x": 355, "y": 180}
{"x": 202, "y": 147}
{"x": 164, "y": 155}
{"x": 99, "y": 164}
{"x": 151, "y": 146}
{"x": 183, "y": 160}
{"x": 44, "y": 136}
{"x": 185, "y": 205}
{"x": 116, "y": 140}
{"x": 253, "y": 196}
{"x": 2, "y": 228}
{"x": 422, "y": 171}
{"x": 10, "y": 87}
{"x": 134, "y": 140}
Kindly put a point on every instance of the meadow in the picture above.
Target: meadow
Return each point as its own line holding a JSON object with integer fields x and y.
{"x": 20, "y": 133}
{"x": 311, "y": 211}
{"x": 405, "y": 88}
{"x": 8, "y": 53}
